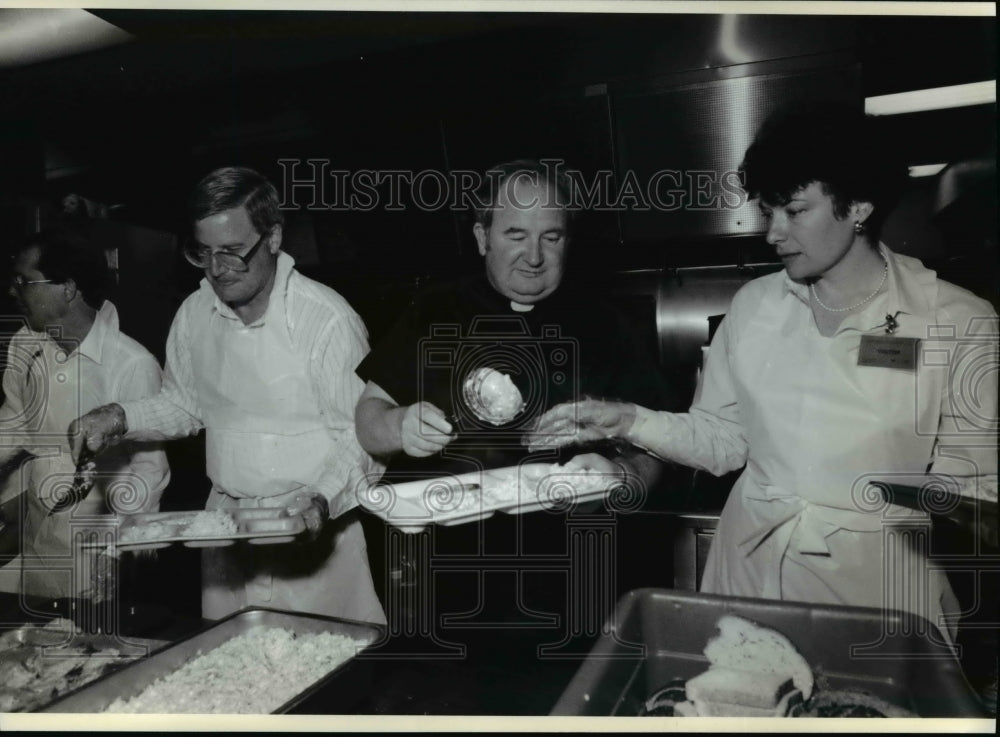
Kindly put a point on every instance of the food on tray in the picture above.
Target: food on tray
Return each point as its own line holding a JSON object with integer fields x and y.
{"x": 492, "y": 396}
{"x": 452, "y": 500}
{"x": 210, "y": 524}
{"x": 851, "y": 703}
{"x": 721, "y": 692}
{"x": 514, "y": 486}
{"x": 756, "y": 671}
{"x": 253, "y": 673}
{"x": 36, "y": 668}
{"x": 146, "y": 532}
{"x": 744, "y": 646}
{"x": 84, "y": 478}
{"x": 201, "y": 525}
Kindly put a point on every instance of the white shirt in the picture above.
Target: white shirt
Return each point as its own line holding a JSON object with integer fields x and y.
{"x": 813, "y": 427}
{"x": 326, "y": 338}
{"x": 45, "y": 390}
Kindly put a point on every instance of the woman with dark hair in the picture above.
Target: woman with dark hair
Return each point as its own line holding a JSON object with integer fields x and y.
{"x": 852, "y": 365}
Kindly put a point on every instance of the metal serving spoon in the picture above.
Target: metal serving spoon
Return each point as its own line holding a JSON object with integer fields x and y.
{"x": 83, "y": 482}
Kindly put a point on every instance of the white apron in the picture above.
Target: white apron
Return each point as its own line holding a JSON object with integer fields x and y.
{"x": 265, "y": 442}
{"x": 51, "y": 566}
{"x": 797, "y": 524}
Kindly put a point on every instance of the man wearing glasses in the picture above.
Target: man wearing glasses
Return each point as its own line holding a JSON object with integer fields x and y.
{"x": 263, "y": 359}
{"x": 68, "y": 358}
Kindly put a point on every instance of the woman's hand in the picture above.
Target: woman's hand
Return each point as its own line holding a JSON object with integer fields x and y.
{"x": 581, "y": 422}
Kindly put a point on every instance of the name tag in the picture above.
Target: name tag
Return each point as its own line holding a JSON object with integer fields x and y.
{"x": 887, "y": 351}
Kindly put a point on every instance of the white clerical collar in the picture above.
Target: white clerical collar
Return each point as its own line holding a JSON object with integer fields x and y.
{"x": 518, "y": 307}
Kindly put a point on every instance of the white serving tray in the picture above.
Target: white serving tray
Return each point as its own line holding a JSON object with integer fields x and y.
{"x": 254, "y": 525}
{"x": 468, "y": 497}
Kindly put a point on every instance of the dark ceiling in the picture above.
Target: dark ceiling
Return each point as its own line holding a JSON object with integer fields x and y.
{"x": 194, "y": 82}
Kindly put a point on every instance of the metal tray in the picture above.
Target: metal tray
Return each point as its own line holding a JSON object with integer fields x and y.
{"x": 658, "y": 635}
{"x": 340, "y": 688}
{"x": 62, "y": 659}
{"x": 468, "y": 497}
{"x": 934, "y": 497}
{"x": 256, "y": 526}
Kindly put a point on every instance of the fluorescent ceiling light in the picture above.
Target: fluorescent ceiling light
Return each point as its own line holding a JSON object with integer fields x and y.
{"x": 959, "y": 95}
{"x": 32, "y": 35}
{"x": 926, "y": 170}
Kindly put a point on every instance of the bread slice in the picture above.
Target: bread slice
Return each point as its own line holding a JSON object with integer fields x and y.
{"x": 685, "y": 709}
{"x": 719, "y": 709}
{"x": 726, "y": 686}
{"x": 742, "y": 645}
{"x": 713, "y": 709}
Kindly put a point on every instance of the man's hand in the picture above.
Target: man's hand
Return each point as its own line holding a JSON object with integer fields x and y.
{"x": 581, "y": 422}
{"x": 424, "y": 430}
{"x": 98, "y": 429}
{"x": 315, "y": 511}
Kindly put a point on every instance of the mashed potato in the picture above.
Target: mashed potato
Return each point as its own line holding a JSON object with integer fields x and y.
{"x": 202, "y": 525}
{"x": 493, "y": 396}
{"x": 210, "y": 524}
{"x": 144, "y": 533}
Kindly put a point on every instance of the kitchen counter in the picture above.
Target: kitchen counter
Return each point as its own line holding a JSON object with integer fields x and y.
{"x": 500, "y": 674}
{"x": 491, "y": 660}
{"x": 497, "y": 669}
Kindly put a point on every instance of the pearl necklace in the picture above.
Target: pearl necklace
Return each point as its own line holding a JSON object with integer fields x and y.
{"x": 866, "y": 300}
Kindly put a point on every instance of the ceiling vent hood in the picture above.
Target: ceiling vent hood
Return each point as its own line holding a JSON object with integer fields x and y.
{"x": 33, "y": 35}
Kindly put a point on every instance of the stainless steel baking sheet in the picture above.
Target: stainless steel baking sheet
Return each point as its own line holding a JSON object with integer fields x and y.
{"x": 132, "y": 680}
{"x": 41, "y": 663}
{"x": 656, "y": 637}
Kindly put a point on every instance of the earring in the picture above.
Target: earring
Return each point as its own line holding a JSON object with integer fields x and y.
{"x": 859, "y": 228}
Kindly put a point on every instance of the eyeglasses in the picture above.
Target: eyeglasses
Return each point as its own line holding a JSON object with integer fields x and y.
{"x": 19, "y": 281}
{"x": 200, "y": 256}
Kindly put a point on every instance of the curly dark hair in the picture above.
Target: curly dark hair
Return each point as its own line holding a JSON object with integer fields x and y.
{"x": 547, "y": 171}
{"x": 834, "y": 144}
{"x": 236, "y": 186}
{"x": 66, "y": 252}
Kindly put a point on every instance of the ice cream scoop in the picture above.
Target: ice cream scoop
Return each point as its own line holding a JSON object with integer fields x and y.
{"x": 492, "y": 396}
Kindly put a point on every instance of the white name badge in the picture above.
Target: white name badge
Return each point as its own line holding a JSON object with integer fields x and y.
{"x": 888, "y": 351}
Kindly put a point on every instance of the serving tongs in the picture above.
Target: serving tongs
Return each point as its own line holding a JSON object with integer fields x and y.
{"x": 83, "y": 482}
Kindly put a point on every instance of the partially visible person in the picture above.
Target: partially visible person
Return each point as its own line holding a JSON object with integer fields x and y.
{"x": 263, "y": 359}
{"x": 69, "y": 358}
{"x": 815, "y": 382}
